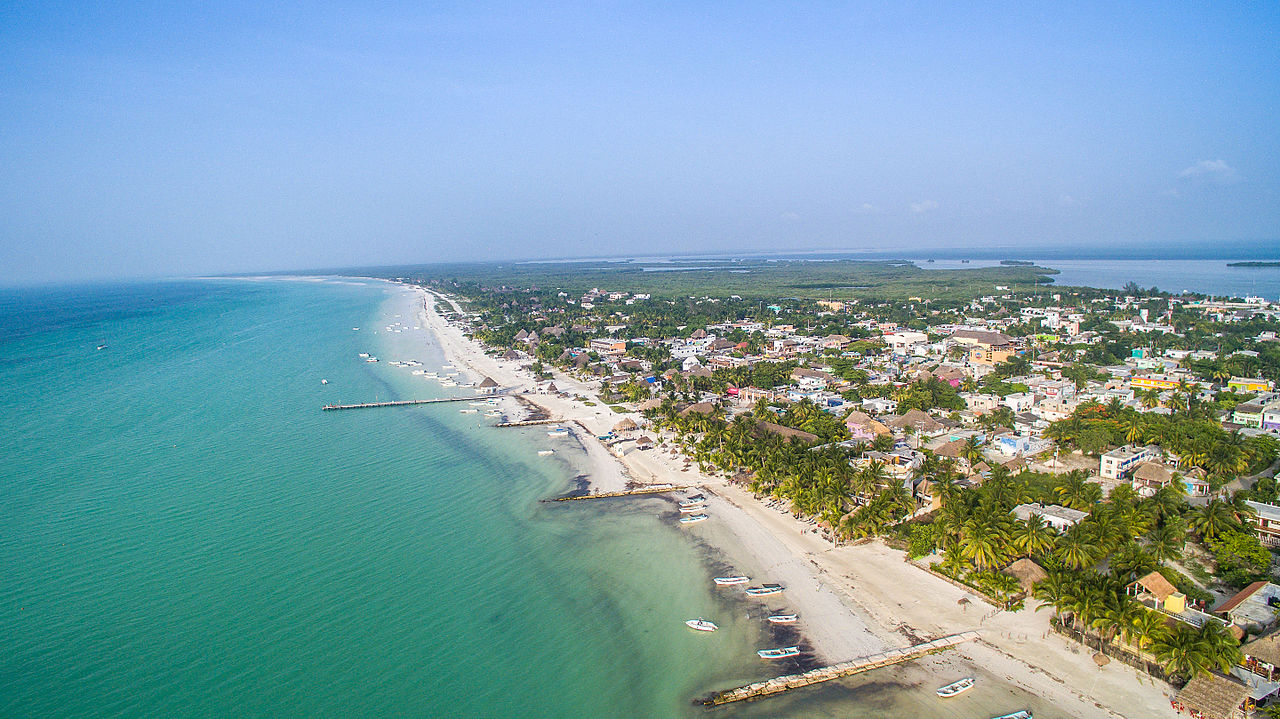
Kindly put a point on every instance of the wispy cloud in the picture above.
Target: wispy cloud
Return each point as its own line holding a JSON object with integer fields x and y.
{"x": 924, "y": 206}
{"x": 1067, "y": 201}
{"x": 1215, "y": 171}
{"x": 866, "y": 208}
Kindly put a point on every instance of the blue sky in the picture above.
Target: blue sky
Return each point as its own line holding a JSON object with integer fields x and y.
{"x": 163, "y": 138}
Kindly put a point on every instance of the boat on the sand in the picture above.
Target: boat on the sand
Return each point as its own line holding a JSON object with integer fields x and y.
{"x": 955, "y": 688}
{"x": 779, "y": 653}
{"x": 782, "y": 618}
{"x": 731, "y": 580}
{"x": 693, "y": 518}
{"x": 764, "y": 590}
{"x": 1020, "y": 714}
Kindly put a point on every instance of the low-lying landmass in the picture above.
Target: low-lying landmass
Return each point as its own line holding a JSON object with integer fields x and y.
{"x": 1076, "y": 472}
{"x": 1253, "y": 264}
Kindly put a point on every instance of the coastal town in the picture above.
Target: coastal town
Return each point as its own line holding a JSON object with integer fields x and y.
{"x": 1107, "y": 457}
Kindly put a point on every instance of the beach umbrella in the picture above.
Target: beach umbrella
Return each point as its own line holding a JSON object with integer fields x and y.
{"x": 1101, "y": 659}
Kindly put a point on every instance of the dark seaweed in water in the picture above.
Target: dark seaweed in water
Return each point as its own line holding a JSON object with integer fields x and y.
{"x": 581, "y": 487}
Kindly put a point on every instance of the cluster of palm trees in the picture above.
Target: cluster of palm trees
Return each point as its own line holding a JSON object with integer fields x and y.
{"x": 1196, "y": 439}
{"x": 1099, "y": 607}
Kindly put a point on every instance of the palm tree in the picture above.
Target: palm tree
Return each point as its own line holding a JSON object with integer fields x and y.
{"x": 1032, "y": 537}
{"x": 1166, "y": 542}
{"x": 982, "y": 543}
{"x": 1212, "y": 519}
{"x": 972, "y": 450}
{"x": 1220, "y": 645}
{"x": 1181, "y": 653}
{"x": 1075, "y": 550}
{"x": 1150, "y": 397}
{"x": 1075, "y": 490}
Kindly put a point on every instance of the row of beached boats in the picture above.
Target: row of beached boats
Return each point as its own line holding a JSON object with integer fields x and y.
{"x": 693, "y": 509}
{"x": 697, "y": 503}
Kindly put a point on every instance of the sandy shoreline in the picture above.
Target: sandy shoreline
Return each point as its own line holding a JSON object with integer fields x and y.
{"x": 853, "y": 600}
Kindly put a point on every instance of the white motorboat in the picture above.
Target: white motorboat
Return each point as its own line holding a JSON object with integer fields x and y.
{"x": 731, "y": 580}
{"x": 701, "y": 625}
{"x": 765, "y": 590}
{"x": 1020, "y": 714}
{"x": 545, "y": 452}
{"x": 783, "y": 619}
{"x": 469, "y": 411}
{"x": 693, "y": 508}
{"x": 693, "y": 518}
{"x": 955, "y": 688}
{"x": 370, "y": 359}
{"x": 324, "y": 381}
{"x": 691, "y": 501}
{"x": 780, "y": 653}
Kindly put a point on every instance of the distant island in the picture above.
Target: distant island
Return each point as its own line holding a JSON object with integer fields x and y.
{"x": 1253, "y": 264}
{"x": 1017, "y": 263}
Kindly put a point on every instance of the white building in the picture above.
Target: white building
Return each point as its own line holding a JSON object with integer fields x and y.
{"x": 1058, "y": 517}
{"x": 1116, "y": 463}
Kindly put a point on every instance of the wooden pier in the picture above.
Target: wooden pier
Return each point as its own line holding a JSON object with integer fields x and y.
{"x": 407, "y": 402}
{"x": 657, "y": 489}
{"x": 835, "y": 671}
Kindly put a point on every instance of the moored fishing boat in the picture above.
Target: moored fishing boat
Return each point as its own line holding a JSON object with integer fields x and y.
{"x": 955, "y": 688}
{"x": 695, "y": 499}
{"x": 701, "y": 625}
{"x": 779, "y": 653}
{"x": 765, "y": 590}
{"x": 692, "y": 508}
{"x": 468, "y": 411}
{"x": 1020, "y": 714}
{"x": 691, "y": 519}
{"x": 731, "y": 580}
{"x": 545, "y": 452}
{"x": 782, "y": 618}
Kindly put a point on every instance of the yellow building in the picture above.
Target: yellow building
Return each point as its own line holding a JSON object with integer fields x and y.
{"x": 1152, "y": 382}
{"x": 1246, "y": 384}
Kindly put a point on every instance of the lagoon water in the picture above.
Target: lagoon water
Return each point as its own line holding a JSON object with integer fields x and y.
{"x": 184, "y": 533}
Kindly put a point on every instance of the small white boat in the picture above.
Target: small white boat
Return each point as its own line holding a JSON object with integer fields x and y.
{"x": 695, "y": 499}
{"x": 701, "y": 625}
{"x": 694, "y": 518}
{"x": 783, "y": 619}
{"x": 1020, "y": 714}
{"x": 363, "y": 355}
{"x": 558, "y": 432}
{"x": 493, "y": 413}
{"x": 324, "y": 381}
{"x": 693, "y": 508}
{"x": 731, "y": 580}
{"x": 355, "y": 329}
{"x": 545, "y": 452}
{"x": 371, "y": 359}
{"x": 765, "y": 590}
{"x": 448, "y": 383}
{"x": 469, "y": 411}
{"x": 780, "y": 653}
{"x": 955, "y": 688}
{"x": 102, "y": 346}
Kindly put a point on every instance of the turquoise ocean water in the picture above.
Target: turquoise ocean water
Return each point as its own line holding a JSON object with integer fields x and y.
{"x": 184, "y": 533}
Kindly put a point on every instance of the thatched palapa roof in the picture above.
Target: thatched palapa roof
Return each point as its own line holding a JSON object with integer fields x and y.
{"x": 1214, "y": 696}
{"x": 787, "y": 432}
{"x": 698, "y": 408}
{"x": 1265, "y": 648}
{"x": 1026, "y": 572}
{"x": 625, "y": 425}
{"x": 1156, "y": 585}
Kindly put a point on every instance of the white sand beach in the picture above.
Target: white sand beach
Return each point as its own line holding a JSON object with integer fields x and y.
{"x": 853, "y": 600}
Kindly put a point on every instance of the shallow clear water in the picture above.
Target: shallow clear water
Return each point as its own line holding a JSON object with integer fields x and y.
{"x": 184, "y": 533}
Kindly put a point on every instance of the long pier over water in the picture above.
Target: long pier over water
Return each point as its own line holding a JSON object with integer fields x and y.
{"x": 835, "y": 671}
{"x": 406, "y": 402}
